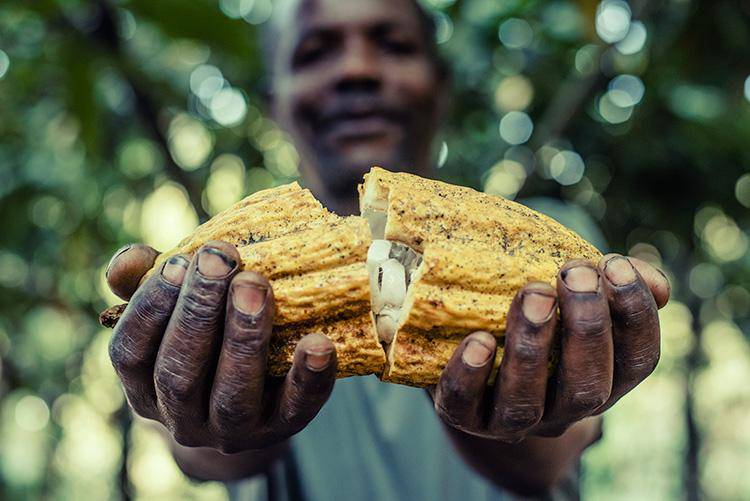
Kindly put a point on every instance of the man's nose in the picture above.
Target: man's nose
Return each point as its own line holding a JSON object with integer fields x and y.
{"x": 359, "y": 67}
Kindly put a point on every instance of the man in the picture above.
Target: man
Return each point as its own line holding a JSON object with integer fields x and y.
{"x": 356, "y": 84}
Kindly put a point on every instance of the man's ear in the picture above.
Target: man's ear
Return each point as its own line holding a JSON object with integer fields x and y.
{"x": 265, "y": 91}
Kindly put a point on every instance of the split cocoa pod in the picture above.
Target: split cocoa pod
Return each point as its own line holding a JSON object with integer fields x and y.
{"x": 397, "y": 288}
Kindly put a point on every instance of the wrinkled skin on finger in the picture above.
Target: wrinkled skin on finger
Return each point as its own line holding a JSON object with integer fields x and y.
{"x": 191, "y": 351}
{"x": 606, "y": 317}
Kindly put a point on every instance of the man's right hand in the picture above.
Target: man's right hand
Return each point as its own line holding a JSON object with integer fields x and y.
{"x": 191, "y": 351}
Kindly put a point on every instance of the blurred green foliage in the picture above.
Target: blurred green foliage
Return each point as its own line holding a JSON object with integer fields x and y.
{"x": 132, "y": 120}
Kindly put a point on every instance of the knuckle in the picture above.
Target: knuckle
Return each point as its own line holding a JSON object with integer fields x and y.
{"x": 448, "y": 417}
{"x": 199, "y": 310}
{"x": 123, "y": 360}
{"x": 295, "y": 414}
{"x": 250, "y": 345}
{"x": 224, "y": 410}
{"x": 229, "y": 414}
{"x": 585, "y": 402}
{"x": 172, "y": 386}
{"x": 149, "y": 311}
{"x": 187, "y": 438}
{"x": 450, "y": 388}
{"x": 644, "y": 367}
{"x": 595, "y": 325}
{"x": 635, "y": 311}
{"x": 228, "y": 444}
{"x": 515, "y": 419}
{"x": 526, "y": 353}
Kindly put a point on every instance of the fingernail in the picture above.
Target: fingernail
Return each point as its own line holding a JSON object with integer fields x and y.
{"x": 174, "y": 270}
{"x": 619, "y": 271}
{"x": 213, "y": 263}
{"x": 119, "y": 253}
{"x": 317, "y": 359}
{"x": 537, "y": 308}
{"x": 666, "y": 279}
{"x": 581, "y": 279}
{"x": 249, "y": 298}
{"x": 476, "y": 354}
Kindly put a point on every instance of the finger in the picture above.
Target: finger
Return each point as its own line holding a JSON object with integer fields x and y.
{"x": 522, "y": 379}
{"x": 237, "y": 394}
{"x": 460, "y": 393}
{"x": 635, "y": 324}
{"x": 137, "y": 336}
{"x": 189, "y": 348}
{"x": 307, "y": 385}
{"x": 655, "y": 279}
{"x": 584, "y": 374}
{"x": 127, "y": 267}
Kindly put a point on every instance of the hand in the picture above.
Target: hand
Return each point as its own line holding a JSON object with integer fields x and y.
{"x": 191, "y": 349}
{"x": 610, "y": 343}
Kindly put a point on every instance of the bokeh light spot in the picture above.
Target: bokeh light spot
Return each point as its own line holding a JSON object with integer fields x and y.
{"x": 138, "y": 158}
{"x": 442, "y": 155}
{"x": 705, "y": 280}
{"x": 612, "y": 20}
{"x": 505, "y": 178}
{"x": 634, "y": 41}
{"x": 515, "y": 33}
{"x": 260, "y": 13}
{"x": 228, "y": 107}
{"x": 190, "y": 143}
{"x": 48, "y": 212}
{"x": 31, "y": 413}
{"x": 587, "y": 59}
{"x": 259, "y": 179}
{"x": 226, "y": 183}
{"x": 516, "y": 127}
{"x": 697, "y": 102}
{"x": 567, "y": 167}
{"x": 724, "y": 239}
{"x": 563, "y": 20}
{"x": 742, "y": 190}
{"x": 611, "y": 112}
{"x": 236, "y": 8}
{"x": 443, "y": 27}
{"x": 626, "y": 90}
{"x": 514, "y": 93}
{"x": 205, "y": 81}
{"x": 4, "y": 63}
{"x": 167, "y": 216}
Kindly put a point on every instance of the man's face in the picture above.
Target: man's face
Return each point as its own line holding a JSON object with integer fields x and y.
{"x": 355, "y": 85}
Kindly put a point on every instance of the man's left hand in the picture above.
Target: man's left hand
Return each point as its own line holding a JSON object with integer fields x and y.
{"x": 609, "y": 344}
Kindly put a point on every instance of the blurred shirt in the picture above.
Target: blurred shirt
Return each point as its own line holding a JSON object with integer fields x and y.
{"x": 374, "y": 441}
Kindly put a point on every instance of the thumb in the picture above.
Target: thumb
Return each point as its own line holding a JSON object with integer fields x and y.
{"x": 127, "y": 267}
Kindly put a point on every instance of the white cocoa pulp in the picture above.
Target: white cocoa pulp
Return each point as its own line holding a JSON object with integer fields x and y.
{"x": 391, "y": 266}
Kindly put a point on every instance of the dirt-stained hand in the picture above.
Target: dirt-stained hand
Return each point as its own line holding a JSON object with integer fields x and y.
{"x": 609, "y": 344}
{"x": 191, "y": 351}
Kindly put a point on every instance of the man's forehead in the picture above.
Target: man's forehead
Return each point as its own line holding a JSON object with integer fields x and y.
{"x": 301, "y": 15}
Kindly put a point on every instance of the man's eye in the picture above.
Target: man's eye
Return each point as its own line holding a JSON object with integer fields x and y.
{"x": 399, "y": 47}
{"x": 309, "y": 54}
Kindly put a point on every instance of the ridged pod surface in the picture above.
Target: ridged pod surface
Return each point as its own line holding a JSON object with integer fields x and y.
{"x": 478, "y": 251}
{"x": 315, "y": 261}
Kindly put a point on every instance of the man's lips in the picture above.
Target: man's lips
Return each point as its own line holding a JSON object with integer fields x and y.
{"x": 360, "y": 126}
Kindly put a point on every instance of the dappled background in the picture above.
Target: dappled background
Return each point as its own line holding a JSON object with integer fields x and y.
{"x": 134, "y": 120}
